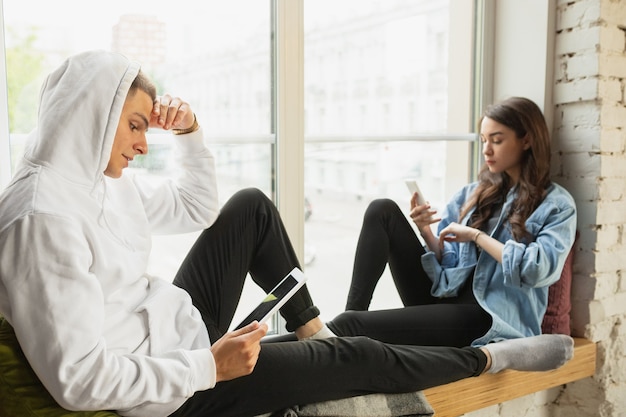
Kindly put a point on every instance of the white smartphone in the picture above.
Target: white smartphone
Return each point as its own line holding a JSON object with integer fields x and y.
{"x": 414, "y": 188}
{"x": 276, "y": 298}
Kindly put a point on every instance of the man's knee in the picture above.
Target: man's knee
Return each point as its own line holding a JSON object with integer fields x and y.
{"x": 250, "y": 194}
{"x": 250, "y": 198}
{"x": 380, "y": 207}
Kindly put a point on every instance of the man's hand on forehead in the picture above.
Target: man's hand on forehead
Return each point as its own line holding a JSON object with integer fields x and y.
{"x": 171, "y": 113}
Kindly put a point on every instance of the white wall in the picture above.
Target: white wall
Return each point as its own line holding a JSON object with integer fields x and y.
{"x": 523, "y": 51}
{"x": 590, "y": 126}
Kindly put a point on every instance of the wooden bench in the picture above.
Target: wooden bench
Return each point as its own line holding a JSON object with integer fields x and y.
{"x": 471, "y": 394}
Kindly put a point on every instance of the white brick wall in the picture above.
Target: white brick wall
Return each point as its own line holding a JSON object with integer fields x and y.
{"x": 589, "y": 159}
{"x": 590, "y": 142}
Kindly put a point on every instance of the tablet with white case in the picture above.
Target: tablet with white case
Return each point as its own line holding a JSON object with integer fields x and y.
{"x": 276, "y": 298}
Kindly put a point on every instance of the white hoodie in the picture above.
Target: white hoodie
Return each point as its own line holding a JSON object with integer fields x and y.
{"x": 99, "y": 332}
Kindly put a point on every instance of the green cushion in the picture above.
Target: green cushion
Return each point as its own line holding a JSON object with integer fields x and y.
{"x": 21, "y": 392}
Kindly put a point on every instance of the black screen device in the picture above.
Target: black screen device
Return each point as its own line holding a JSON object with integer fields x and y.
{"x": 276, "y": 298}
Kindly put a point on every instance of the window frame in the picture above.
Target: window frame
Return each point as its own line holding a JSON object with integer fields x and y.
{"x": 288, "y": 74}
{"x": 5, "y": 145}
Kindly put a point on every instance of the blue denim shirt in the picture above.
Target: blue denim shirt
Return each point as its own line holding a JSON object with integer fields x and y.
{"x": 515, "y": 292}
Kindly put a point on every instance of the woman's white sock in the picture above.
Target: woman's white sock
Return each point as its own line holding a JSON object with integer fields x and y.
{"x": 535, "y": 353}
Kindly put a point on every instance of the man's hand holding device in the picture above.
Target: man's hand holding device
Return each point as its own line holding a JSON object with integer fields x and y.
{"x": 236, "y": 353}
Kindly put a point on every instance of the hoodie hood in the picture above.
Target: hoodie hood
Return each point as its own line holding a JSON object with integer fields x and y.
{"x": 79, "y": 111}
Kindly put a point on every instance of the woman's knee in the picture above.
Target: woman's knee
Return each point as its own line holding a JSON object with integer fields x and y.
{"x": 347, "y": 323}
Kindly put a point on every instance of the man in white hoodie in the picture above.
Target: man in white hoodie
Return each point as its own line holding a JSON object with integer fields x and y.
{"x": 101, "y": 334}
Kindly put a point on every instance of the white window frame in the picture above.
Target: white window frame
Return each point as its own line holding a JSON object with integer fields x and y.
{"x": 289, "y": 117}
{"x": 5, "y": 146}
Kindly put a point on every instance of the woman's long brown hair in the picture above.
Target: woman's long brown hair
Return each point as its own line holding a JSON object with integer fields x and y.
{"x": 525, "y": 118}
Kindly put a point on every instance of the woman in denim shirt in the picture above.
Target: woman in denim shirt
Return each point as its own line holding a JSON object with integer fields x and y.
{"x": 502, "y": 241}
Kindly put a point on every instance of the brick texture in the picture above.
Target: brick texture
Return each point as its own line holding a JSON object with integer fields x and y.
{"x": 590, "y": 137}
{"x": 589, "y": 159}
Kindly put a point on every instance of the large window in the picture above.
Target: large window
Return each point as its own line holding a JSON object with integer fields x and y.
{"x": 387, "y": 97}
{"x": 384, "y": 96}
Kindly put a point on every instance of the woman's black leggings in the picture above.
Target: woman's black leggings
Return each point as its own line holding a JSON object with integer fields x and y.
{"x": 249, "y": 236}
{"x": 387, "y": 238}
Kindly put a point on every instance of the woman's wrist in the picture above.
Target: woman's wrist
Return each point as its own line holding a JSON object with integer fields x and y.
{"x": 477, "y": 235}
{"x": 426, "y": 233}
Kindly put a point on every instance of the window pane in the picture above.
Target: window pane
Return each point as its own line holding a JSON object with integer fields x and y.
{"x": 216, "y": 55}
{"x": 378, "y": 109}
